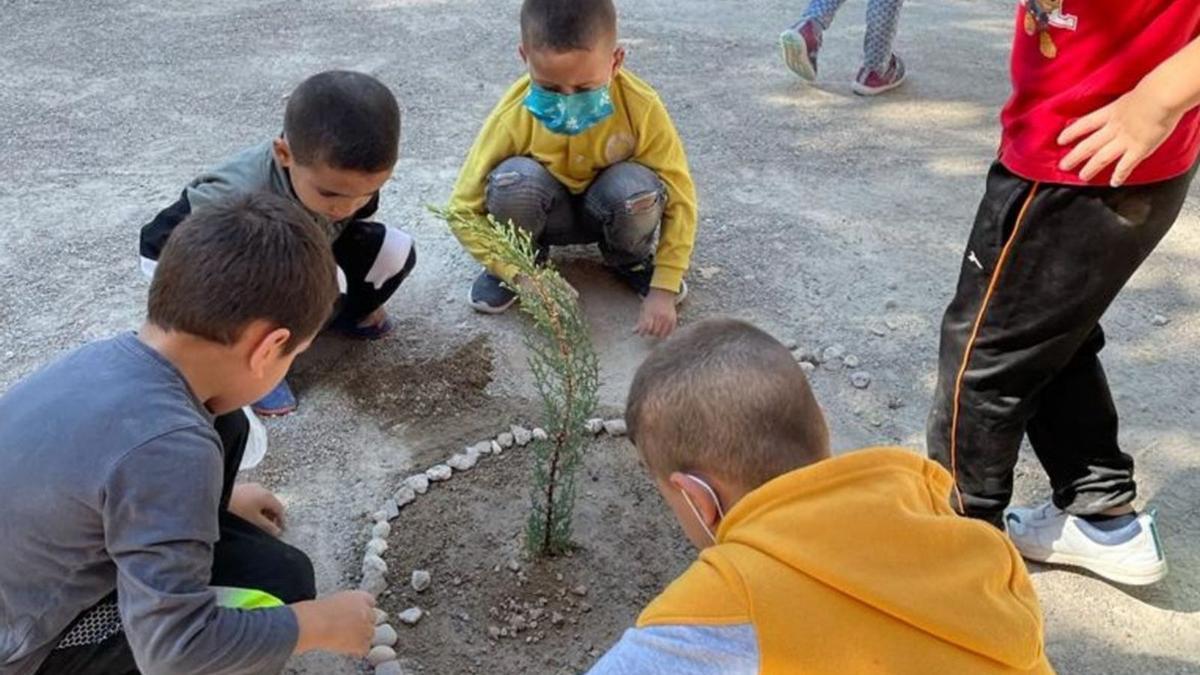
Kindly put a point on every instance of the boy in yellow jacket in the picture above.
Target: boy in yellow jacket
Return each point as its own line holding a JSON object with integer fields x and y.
{"x": 581, "y": 151}
{"x": 813, "y": 564}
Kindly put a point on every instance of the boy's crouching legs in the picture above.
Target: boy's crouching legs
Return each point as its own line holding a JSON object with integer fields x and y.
{"x": 626, "y": 203}
{"x": 374, "y": 260}
{"x": 520, "y": 189}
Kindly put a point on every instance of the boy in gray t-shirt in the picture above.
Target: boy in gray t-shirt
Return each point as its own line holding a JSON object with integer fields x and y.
{"x": 127, "y": 546}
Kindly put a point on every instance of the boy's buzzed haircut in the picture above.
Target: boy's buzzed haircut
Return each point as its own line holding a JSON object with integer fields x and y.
{"x": 726, "y": 398}
{"x": 258, "y": 256}
{"x": 345, "y": 120}
{"x": 566, "y": 25}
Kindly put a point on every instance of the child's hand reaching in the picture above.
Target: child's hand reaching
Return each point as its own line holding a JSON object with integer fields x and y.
{"x": 1126, "y": 131}
{"x": 659, "y": 317}
{"x": 257, "y": 505}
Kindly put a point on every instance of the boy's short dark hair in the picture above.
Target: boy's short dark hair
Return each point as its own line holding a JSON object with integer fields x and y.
{"x": 566, "y": 25}
{"x": 725, "y": 398}
{"x": 344, "y": 119}
{"x": 258, "y": 256}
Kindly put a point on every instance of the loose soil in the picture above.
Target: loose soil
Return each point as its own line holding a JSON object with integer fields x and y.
{"x": 490, "y": 608}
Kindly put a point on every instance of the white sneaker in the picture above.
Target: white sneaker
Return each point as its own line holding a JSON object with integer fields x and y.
{"x": 1048, "y": 534}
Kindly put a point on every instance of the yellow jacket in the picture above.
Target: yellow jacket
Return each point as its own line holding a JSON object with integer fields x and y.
{"x": 639, "y": 130}
{"x": 858, "y": 565}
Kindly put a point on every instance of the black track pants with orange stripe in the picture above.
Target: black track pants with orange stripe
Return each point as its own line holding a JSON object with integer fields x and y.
{"x": 1020, "y": 341}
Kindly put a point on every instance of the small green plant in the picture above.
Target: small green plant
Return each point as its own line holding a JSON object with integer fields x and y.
{"x": 565, "y": 371}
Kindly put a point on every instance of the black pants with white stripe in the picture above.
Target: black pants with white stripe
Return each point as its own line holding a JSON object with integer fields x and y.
{"x": 244, "y": 557}
{"x": 1020, "y": 341}
{"x": 374, "y": 259}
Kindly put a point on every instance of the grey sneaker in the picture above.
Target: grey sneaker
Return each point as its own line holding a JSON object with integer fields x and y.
{"x": 489, "y": 295}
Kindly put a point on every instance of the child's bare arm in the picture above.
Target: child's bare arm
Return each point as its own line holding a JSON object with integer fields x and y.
{"x": 1130, "y": 129}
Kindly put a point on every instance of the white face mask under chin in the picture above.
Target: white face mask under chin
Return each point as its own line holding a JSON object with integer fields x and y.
{"x": 716, "y": 500}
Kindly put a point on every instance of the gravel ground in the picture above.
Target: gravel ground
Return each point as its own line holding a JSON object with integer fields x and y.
{"x": 826, "y": 218}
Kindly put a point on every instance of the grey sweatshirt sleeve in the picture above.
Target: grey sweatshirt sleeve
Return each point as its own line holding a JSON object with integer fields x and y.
{"x": 696, "y": 650}
{"x": 160, "y": 525}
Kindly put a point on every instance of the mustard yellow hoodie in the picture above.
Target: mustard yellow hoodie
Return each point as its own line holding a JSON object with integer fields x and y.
{"x": 639, "y": 130}
{"x": 857, "y": 564}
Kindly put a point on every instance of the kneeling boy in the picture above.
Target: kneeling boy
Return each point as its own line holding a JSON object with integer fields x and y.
{"x": 582, "y": 151}
{"x": 340, "y": 142}
{"x": 849, "y": 564}
{"x": 127, "y": 547}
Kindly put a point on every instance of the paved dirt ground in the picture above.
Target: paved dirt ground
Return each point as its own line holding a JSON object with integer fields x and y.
{"x": 824, "y": 216}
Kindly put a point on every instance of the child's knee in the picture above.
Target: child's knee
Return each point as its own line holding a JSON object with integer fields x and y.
{"x": 631, "y": 193}
{"x": 515, "y": 179}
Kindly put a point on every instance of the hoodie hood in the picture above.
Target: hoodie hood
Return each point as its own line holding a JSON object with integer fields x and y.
{"x": 875, "y": 526}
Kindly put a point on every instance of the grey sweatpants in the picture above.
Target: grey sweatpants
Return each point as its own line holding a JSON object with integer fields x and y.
{"x": 621, "y": 210}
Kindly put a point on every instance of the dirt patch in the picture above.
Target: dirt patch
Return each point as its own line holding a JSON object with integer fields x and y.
{"x": 395, "y": 383}
{"x": 492, "y": 610}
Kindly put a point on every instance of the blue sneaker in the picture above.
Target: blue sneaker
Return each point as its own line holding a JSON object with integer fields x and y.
{"x": 489, "y": 295}
{"x": 281, "y": 401}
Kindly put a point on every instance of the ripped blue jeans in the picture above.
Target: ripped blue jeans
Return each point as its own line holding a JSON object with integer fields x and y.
{"x": 621, "y": 210}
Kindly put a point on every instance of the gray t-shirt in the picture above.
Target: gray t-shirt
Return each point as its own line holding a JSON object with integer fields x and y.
{"x": 110, "y": 478}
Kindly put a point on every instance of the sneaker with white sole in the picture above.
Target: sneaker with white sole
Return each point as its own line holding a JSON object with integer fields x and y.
{"x": 874, "y": 82}
{"x": 1131, "y": 555}
{"x": 800, "y": 44}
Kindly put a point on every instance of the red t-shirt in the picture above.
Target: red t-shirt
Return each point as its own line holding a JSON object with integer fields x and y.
{"x": 1093, "y": 51}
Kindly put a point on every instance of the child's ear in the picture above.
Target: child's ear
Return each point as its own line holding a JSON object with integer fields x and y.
{"x": 268, "y": 349}
{"x": 283, "y": 152}
{"x": 522, "y": 54}
{"x": 706, "y": 507}
{"x": 618, "y": 58}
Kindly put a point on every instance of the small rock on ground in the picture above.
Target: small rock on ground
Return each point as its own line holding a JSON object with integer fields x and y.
{"x": 384, "y": 635}
{"x": 377, "y": 546}
{"x": 615, "y": 427}
{"x": 380, "y": 616}
{"x": 594, "y": 425}
{"x": 521, "y": 436}
{"x": 404, "y": 496}
{"x": 411, "y": 615}
{"x": 539, "y": 434}
{"x": 418, "y": 482}
{"x": 380, "y": 654}
{"x": 372, "y": 562}
{"x": 506, "y": 439}
{"x": 851, "y": 361}
{"x": 438, "y": 473}
{"x": 1159, "y": 320}
{"x": 580, "y": 590}
{"x": 808, "y": 367}
{"x": 495, "y": 448}
{"x": 389, "y": 668}
{"x": 860, "y": 379}
{"x": 461, "y": 462}
{"x": 391, "y": 509}
{"x": 481, "y": 448}
{"x": 421, "y": 580}
{"x": 373, "y": 582}
{"x": 381, "y": 530}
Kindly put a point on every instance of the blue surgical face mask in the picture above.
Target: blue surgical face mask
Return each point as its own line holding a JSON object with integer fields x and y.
{"x": 569, "y": 114}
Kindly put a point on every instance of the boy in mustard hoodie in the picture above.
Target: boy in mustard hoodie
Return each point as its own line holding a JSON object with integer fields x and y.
{"x": 581, "y": 151}
{"x": 849, "y": 564}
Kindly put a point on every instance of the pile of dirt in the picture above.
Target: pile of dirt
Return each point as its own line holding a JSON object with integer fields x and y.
{"x": 490, "y": 609}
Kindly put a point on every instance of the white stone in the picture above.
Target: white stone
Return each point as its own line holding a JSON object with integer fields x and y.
{"x": 615, "y": 427}
{"x": 411, "y": 615}
{"x": 1159, "y": 320}
{"x": 807, "y": 367}
{"x": 594, "y": 425}
{"x": 389, "y": 668}
{"x": 418, "y": 482}
{"x": 377, "y": 546}
{"x": 832, "y": 352}
{"x": 461, "y": 462}
{"x": 373, "y": 563}
{"x": 496, "y": 449}
{"x": 380, "y": 654}
{"x": 506, "y": 440}
{"x": 392, "y": 508}
{"x": 521, "y": 436}
{"x": 481, "y": 448}
{"x": 438, "y": 473}
{"x": 380, "y": 616}
{"x": 384, "y": 635}
{"x": 860, "y": 379}
{"x": 380, "y": 516}
{"x": 539, "y": 434}
{"x": 381, "y": 530}
{"x": 404, "y": 496}
{"x": 421, "y": 580}
{"x": 373, "y": 582}
{"x": 851, "y": 361}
